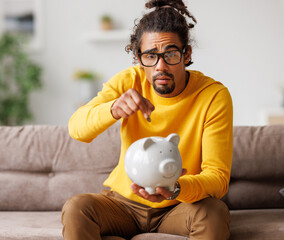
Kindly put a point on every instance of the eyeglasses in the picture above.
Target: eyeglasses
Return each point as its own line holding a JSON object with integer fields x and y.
{"x": 172, "y": 57}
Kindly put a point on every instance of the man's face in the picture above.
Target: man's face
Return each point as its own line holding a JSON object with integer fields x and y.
{"x": 167, "y": 80}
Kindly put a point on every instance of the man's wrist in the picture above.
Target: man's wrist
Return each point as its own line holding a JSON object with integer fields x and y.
{"x": 176, "y": 192}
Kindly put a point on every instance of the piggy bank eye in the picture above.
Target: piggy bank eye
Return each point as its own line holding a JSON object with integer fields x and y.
{"x": 171, "y": 150}
{"x": 160, "y": 151}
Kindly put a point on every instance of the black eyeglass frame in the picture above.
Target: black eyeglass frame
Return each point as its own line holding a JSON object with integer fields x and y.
{"x": 161, "y": 55}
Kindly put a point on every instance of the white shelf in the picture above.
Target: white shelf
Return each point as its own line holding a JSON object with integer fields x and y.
{"x": 108, "y": 36}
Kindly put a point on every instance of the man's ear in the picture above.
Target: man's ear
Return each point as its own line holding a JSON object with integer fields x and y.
{"x": 187, "y": 54}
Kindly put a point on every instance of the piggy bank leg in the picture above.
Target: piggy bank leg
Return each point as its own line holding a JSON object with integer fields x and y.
{"x": 150, "y": 190}
{"x": 171, "y": 188}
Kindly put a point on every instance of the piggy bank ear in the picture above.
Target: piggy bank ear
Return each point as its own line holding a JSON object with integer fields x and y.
{"x": 147, "y": 143}
{"x": 174, "y": 138}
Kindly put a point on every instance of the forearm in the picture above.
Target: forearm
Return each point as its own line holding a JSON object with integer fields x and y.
{"x": 207, "y": 184}
{"x": 90, "y": 120}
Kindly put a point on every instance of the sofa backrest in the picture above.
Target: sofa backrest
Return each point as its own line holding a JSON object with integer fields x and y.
{"x": 42, "y": 166}
{"x": 257, "y": 173}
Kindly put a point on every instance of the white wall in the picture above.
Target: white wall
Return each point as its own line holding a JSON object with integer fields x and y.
{"x": 239, "y": 42}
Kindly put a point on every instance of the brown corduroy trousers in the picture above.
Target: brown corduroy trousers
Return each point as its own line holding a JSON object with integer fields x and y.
{"x": 90, "y": 216}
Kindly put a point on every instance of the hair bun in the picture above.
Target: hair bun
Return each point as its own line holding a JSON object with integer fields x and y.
{"x": 178, "y": 5}
{"x": 159, "y": 3}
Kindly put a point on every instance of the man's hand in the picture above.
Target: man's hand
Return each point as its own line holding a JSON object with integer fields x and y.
{"x": 129, "y": 103}
{"x": 160, "y": 195}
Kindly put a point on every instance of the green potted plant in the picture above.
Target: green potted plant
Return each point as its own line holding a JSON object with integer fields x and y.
{"x": 85, "y": 80}
{"x": 18, "y": 77}
{"x": 85, "y": 75}
{"x": 106, "y": 22}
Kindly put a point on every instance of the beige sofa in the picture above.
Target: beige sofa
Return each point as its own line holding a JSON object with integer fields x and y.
{"x": 41, "y": 167}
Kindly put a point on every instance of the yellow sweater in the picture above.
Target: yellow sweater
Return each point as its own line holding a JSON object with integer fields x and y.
{"x": 202, "y": 115}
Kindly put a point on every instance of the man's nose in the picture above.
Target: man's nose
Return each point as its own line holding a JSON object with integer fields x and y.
{"x": 161, "y": 65}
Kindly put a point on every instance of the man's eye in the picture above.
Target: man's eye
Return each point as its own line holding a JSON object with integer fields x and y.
{"x": 171, "y": 54}
{"x": 150, "y": 56}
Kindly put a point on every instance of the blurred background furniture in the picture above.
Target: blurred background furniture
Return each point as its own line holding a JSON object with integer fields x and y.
{"x": 272, "y": 116}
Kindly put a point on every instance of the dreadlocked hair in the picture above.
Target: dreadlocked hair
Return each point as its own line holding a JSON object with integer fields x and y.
{"x": 167, "y": 16}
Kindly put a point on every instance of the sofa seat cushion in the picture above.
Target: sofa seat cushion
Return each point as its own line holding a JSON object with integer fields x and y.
{"x": 245, "y": 225}
{"x": 47, "y": 226}
{"x": 158, "y": 236}
{"x": 30, "y": 225}
{"x": 266, "y": 224}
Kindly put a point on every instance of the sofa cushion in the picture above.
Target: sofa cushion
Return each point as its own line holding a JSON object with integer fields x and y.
{"x": 257, "y": 224}
{"x": 245, "y": 225}
{"x": 258, "y": 168}
{"x": 47, "y": 226}
{"x": 42, "y": 166}
{"x": 244, "y": 194}
{"x": 30, "y": 225}
{"x": 258, "y": 153}
{"x": 159, "y": 236}
{"x": 34, "y": 226}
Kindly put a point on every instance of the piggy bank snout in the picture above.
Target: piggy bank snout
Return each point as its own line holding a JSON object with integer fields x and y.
{"x": 168, "y": 167}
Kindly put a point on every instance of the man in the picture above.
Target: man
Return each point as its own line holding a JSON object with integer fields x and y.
{"x": 156, "y": 98}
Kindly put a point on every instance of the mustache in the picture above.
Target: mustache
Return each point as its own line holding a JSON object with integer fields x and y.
{"x": 171, "y": 76}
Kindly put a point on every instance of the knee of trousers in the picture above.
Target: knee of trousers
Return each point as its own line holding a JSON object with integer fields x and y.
{"x": 75, "y": 205}
{"x": 212, "y": 211}
{"x": 208, "y": 219}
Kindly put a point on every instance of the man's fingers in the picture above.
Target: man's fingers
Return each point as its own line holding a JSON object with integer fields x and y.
{"x": 144, "y": 105}
{"x": 124, "y": 106}
{"x": 141, "y": 192}
{"x": 151, "y": 197}
{"x": 162, "y": 191}
{"x": 140, "y": 102}
{"x": 136, "y": 189}
{"x": 129, "y": 103}
{"x": 150, "y": 107}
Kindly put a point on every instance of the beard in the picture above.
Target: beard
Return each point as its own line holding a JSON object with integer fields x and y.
{"x": 164, "y": 89}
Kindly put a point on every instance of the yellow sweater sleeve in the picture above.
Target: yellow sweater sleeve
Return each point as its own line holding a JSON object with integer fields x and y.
{"x": 95, "y": 117}
{"x": 217, "y": 151}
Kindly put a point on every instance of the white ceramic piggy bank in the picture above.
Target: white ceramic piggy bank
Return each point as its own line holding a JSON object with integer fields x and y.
{"x": 154, "y": 162}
